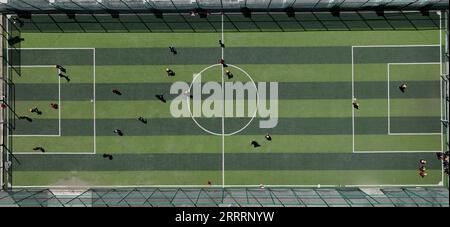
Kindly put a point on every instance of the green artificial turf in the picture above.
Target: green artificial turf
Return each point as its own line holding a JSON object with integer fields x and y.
{"x": 315, "y": 78}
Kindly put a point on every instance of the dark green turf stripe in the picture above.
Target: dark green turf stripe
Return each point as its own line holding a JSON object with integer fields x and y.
{"x": 396, "y": 54}
{"x": 241, "y": 55}
{"x": 307, "y": 90}
{"x": 235, "y": 161}
{"x": 186, "y": 126}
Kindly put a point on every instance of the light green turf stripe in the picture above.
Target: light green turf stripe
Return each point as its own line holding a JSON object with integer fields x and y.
{"x": 335, "y": 38}
{"x": 348, "y": 177}
{"x": 332, "y": 144}
{"x": 69, "y": 109}
{"x": 378, "y": 72}
{"x": 233, "y": 144}
{"x": 399, "y": 108}
{"x": 120, "y": 40}
{"x": 302, "y": 108}
{"x": 157, "y": 74}
{"x": 77, "y": 74}
{"x": 183, "y": 144}
{"x": 82, "y": 144}
{"x": 397, "y": 143}
{"x": 415, "y": 107}
{"x": 140, "y": 40}
{"x": 126, "y": 144}
{"x": 278, "y": 73}
{"x": 412, "y": 72}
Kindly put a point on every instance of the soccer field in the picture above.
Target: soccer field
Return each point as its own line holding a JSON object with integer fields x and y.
{"x": 320, "y": 139}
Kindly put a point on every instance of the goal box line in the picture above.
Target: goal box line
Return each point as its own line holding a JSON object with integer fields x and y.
{"x": 59, "y": 101}
{"x": 353, "y": 90}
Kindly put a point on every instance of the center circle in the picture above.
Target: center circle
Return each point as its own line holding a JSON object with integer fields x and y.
{"x": 223, "y": 102}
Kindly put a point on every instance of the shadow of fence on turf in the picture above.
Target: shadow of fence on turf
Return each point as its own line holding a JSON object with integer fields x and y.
{"x": 12, "y": 47}
{"x": 233, "y": 22}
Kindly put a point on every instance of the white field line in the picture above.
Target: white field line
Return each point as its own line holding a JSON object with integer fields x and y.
{"x": 51, "y": 153}
{"x": 416, "y": 63}
{"x": 35, "y": 135}
{"x": 415, "y": 134}
{"x": 59, "y": 109}
{"x": 418, "y": 45}
{"x": 223, "y": 112}
{"x": 393, "y": 185}
{"x": 440, "y": 41}
{"x": 59, "y": 103}
{"x": 33, "y": 66}
{"x": 94, "y": 99}
{"x": 376, "y": 152}
{"x": 353, "y": 109}
{"x": 229, "y": 186}
{"x": 389, "y": 97}
{"x": 173, "y": 186}
{"x": 53, "y": 48}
